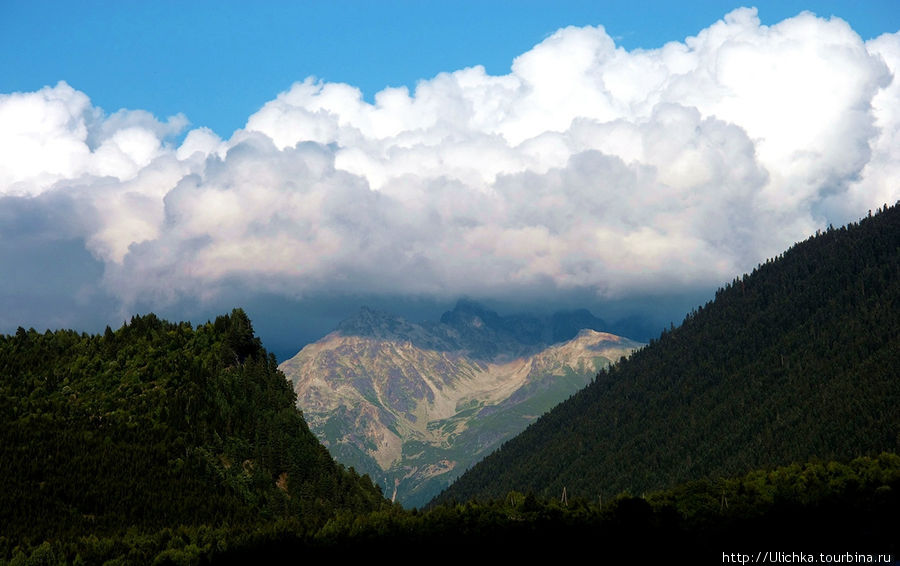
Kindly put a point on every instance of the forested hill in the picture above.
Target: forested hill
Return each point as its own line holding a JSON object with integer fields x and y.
{"x": 154, "y": 426}
{"x": 795, "y": 362}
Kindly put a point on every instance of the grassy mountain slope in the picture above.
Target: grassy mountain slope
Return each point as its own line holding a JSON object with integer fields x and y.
{"x": 793, "y": 362}
{"x": 153, "y": 426}
{"x": 415, "y": 405}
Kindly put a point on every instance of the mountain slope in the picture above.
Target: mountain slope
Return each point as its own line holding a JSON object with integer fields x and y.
{"x": 793, "y": 362}
{"x": 153, "y": 426}
{"x": 414, "y": 405}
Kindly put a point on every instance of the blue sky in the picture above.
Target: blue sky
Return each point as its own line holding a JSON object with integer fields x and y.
{"x": 176, "y": 156}
{"x": 217, "y": 62}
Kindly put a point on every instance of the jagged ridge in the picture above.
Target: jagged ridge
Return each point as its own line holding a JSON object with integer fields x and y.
{"x": 414, "y": 405}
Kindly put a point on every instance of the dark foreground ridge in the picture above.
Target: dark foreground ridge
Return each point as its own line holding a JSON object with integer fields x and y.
{"x": 795, "y": 361}
{"x": 820, "y": 511}
{"x": 156, "y": 430}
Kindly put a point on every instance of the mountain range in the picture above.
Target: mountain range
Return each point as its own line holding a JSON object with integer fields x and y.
{"x": 769, "y": 414}
{"x": 414, "y": 405}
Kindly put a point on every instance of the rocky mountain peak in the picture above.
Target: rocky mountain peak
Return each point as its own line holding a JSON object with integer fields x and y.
{"x": 372, "y": 323}
{"x": 565, "y": 325}
{"x": 474, "y": 329}
{"x": 380, "y": 325}
{"x": 414, "y": 404}
{"x": 469, "y": 313}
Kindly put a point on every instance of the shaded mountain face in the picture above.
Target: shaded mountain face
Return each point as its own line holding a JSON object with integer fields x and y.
{"x": 414, "y": 405}
{"x": 469, "y": 327}
{"x": 793, "y": 362}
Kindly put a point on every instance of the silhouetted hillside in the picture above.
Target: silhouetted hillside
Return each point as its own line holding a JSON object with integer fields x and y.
{"x": 153, "y": 427}
{"x": 796, "y": 361}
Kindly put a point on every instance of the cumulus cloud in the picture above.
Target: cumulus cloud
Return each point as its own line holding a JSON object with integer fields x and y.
{"x": 55, "y": 134}
{"x": 586, "y": 168}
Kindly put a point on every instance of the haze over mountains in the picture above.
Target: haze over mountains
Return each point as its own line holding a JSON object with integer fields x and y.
{"x": 413, "y": 405}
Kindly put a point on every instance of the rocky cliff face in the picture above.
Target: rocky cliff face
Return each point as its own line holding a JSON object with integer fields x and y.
{"x": 414, "y": 405}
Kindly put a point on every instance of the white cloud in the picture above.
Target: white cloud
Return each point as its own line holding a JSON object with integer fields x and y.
{"x": 55, "y": 135}
{"x": 588, "y": 167}
{"x": 878, "y": 182}
{"x": 43, "y": 137}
